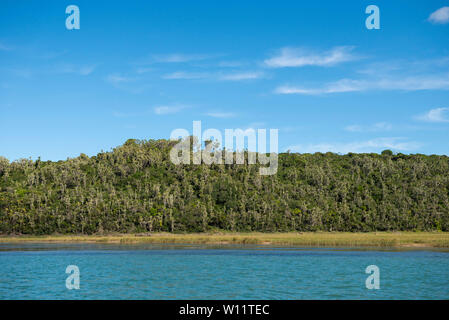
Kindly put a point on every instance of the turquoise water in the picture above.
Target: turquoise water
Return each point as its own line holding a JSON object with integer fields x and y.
{"x": 37, "y": 271}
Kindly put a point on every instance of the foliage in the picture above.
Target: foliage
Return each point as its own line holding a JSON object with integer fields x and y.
{"x": 135, "y": 188}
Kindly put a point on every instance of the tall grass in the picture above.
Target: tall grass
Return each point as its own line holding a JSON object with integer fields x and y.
{"x": 333, "y": 239}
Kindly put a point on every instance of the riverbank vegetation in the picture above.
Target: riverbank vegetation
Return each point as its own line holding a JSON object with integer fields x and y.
{"x": 135, "y": 188}
{"x": 322, "y": 239}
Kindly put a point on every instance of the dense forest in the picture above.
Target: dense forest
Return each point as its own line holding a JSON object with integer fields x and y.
{"x": 136, "y": 188}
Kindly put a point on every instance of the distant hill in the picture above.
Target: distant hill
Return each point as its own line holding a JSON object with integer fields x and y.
{"x": 135, "y": 188}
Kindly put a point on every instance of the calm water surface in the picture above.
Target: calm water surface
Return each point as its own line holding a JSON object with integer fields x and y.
{"x": 37, "y": 271}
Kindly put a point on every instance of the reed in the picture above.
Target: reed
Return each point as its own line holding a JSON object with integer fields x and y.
{"x": 329, "y": 239}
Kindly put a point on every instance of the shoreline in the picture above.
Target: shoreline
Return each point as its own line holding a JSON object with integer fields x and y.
{"x": 308, "y": 239}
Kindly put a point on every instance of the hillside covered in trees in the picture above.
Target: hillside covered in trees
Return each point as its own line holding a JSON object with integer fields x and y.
{"x": 136, "y": 188}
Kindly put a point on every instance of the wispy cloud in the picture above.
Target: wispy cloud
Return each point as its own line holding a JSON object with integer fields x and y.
{"x": 86, "y": 70}
{"x": 221, "y": 114}
{"x": 119, "y": 114}
{"x": 413, "y": 83}
{"x": 440, "y": 16}
{"x": 49, "y": 55}
{"x": 218, "y": 76}
{"x": 405, "y": 66}
{"x": 161, "y": 110}
{"x": 22, "y": 73}
{"x": 231, "y": 64}
{"x": 380, "y": 126}
{"x": 175, "y": 58}
{"x": 435, "y": 115}
{"x": 4, "y": 47}
{"x": 373, "y": 145}
{"x": 143, "y": 70}
{"x": 344, "y": 85}
{"x": 4, "y": 85}
{"x": 117, "y": 78}
{"x": 70, "y": 68}
{"x": 53, "y": 69}
{"x": 131, "y": 85}
{"x": 239, "y": 76}
{"x": 297, "y": 57}
{"x": 186, "y": 75}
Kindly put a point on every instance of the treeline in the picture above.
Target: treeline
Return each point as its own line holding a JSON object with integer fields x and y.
{"x": 136, "y": 188}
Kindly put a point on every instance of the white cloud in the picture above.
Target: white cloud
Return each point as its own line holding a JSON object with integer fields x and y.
{"x": 117, "y": 78}
{"x": 118, "y": 114}
{"x": 405, "y": 66}
{"x": 4, "y": 47}
{"x": 179, "y": 57}
{"x": 230, "y": 64}
{"x": 373, "y": 145}
{"x": 435, "y": 115}
{"x": 236, "y": 76}
{"x": 441, "y": 16}
{"x": 143, "y": 70}
{"x": 80, "y": 70}
{"x": 354, "y": 128}
{"x": 23, "y": 73}
{"x": 294, "y": 57}
{"x": 413, "y": 83}
{"x": 186, "y": 75}
{"x": 161, "y": 110}
{"x": 221, "y": 114}
{"x": 380, "y": 126}
{"x": 344, "y": 85}
{"x": 128, "y": 84}
{"x": 86, "y": 70}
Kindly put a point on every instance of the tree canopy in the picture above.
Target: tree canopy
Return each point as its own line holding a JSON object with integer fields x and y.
{"x": 135, "y": 188}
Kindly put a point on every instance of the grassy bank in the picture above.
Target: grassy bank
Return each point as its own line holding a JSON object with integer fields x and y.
{"x": 377, "y": 239}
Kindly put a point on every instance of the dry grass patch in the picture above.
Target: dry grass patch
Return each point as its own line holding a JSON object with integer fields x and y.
{"x": 331, "y": 239}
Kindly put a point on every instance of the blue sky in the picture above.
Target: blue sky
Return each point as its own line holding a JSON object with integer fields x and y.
{"x": 140, "y": 69}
